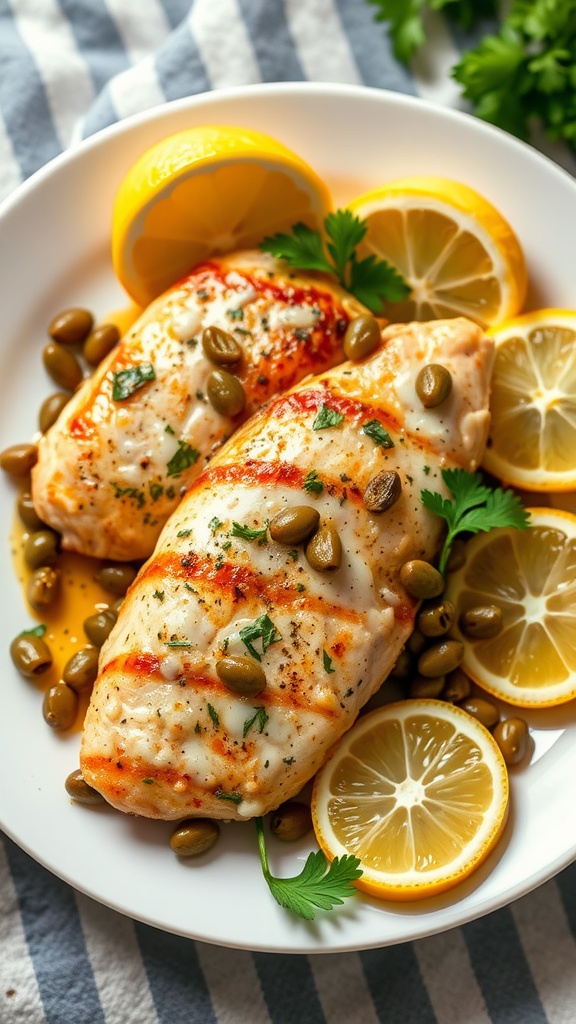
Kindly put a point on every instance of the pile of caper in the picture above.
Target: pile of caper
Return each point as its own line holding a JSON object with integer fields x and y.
{"x": 223, "y": 389}
{"x": 429, "y": 665}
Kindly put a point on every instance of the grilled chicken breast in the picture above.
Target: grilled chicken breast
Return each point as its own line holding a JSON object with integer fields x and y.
{"x": 111, "y": 470}
{"x": 164, "y": 737}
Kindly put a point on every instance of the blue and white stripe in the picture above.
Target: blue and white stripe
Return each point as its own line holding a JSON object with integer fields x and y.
{"x": 67, "y": 69}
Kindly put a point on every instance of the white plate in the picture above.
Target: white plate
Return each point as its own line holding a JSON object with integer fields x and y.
{"x": 54, "y": 238}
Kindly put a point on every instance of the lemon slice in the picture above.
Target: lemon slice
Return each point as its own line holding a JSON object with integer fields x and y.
{"x": 455, "y": 250}
{"x": 532, "y": 440}
{"x": 531, "y": 576}
{"x": 204, "y": 191}
{"x": 418, "y": 791}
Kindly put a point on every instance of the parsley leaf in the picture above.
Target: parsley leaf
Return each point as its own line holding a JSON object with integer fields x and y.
{"x": 35, "y": 631}
{"x": 327, "y": 418}
{"x": 184, "y": 457}
{"x": 379, "y": 435}
{"x": 126, "y": 382}
{"x": 312, "y": 484}
{"x": 261, "y": 629}
{"x": 319, "y": 886}
{"x": 327, "y": 661}
{"x": 475, "y": 508}
{"x": 406, "y": 24}
{"x": 240, "y": 530}
{"x": 370, "y": 280}
{"x": 259, "y": 718}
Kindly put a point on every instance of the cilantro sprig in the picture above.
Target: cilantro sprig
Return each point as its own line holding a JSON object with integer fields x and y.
{"x": 319, "y": 886}
{"x": 372, "y": 281}
{"x": 475, "y": 508}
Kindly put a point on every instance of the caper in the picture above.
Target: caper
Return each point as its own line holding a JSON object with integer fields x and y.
{"x": 324, "y": 549}
{"x": 458, "y": 686}
{"x": 81, "y": 669}
{"x": 482, "y": 710}
{"x": 71, "y": 326}
{"x": 41, "y": 548}
{"x": 62, "y": 365}
{"x": 60, "y": 706}
{"x": 100, "y": 342}
{"x": 291, "y": 821}
{"x": 225, "y": 393}
{"x": 420, "y": 579}
{"x": 116, "y": 578}
{"x": 511, "y": 735}
{"x": 294, "y": 525}
{"x": 98, "y": 626}
{"x": 441, "y": 658}
{"x": 362, "y": 337}
{"x": 433, "y": 385}
{"x": 30, "y": 654}
{"x": 422, "y": 686}
{"x": 79, "y": 790}
{"x": 27, "y": 512}
{"x": 382, "y": 491}
{"x": 43, "y": 587}
{"x": 194, "y": 836}
{"x": 241, "y": 674}
{"x": 19, "y": 459}
{"x": 220, "y": 346}
{"x": 436, "y": 619}
{"x": 51, "y": 408}
{"x": 481, "y": 622}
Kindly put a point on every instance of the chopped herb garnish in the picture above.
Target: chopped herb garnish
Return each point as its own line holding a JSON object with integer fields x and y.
{"x": 234, "y": 798}
{"x": 247, "y": 533}
{"x": 183, "y": 458}
{"x": 156, "y": 491}
{"x": 259, "y": 718}
{"x": 327, "y": 418}
{"x": 178, "y": 643}
{"x": 148, "y": 782}
{"x": 312, "y": 484}
{"x": 261, "y": 629}
{"x": 35, "y": 631}
{"x": 159, "y": 595}
{"x": 126, "y": 382}
{"x": 293, "y": 554}
{"x": 319, "y": 886}
{"x": 426, "y": 470}
{"x": 475, "y": 508}
{"x": 379, "y": 435}
{"x": 214, "y": 523}
{"x": 327, "y": 663}
{"x": 129, "y": 492}
{"x": 168, "y": 429}
{"x": 235, "y": 314}
{"x": 184, "y": 533}
{"x": 300, "y": 587}
{"x": 213, "y": 715}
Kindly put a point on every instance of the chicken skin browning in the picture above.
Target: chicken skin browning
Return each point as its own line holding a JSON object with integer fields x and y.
{"x": 111, "y": 470}
{"x": 164, "y": 736}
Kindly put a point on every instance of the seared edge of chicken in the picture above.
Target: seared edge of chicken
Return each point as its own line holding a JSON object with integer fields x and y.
{"x": 163, "y": 736}
{"x": 110, "y": 472}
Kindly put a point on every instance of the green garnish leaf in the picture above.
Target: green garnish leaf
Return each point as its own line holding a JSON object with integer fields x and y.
{"x": 319, "y": 886}
{"x": 312, "y": 484}
{"x": 406, "y": 24}
{"x": 379, "y": 435}
{"x": 214, "y": 523}
{"x": 178, "y": 643}
{"x": 475, "y": 508}
{"x": 261, "y": 629}
{"x": 35, "y": 631}
{"x": 234, "y": 798}
{"x": 184, "y": 457}
{"x": 213, "y": 715}
{"x": 126, "y": 382}
{"x": 327, "y": 660}
{"x": 327, "y": 418}
{"x": 259, "y": 718}
{"x": 370, "y": 280}
{"x": 247, "y": 533}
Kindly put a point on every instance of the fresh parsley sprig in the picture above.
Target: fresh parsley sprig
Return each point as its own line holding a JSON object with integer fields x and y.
{"x": 372, "y": 281}
{"x": 475, "y": 508}
{"x": 319, "y": 886}
{"x": 406, "y": 19}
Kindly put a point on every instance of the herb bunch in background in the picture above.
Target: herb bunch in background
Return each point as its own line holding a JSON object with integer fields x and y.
{"x": 519, "y": 77}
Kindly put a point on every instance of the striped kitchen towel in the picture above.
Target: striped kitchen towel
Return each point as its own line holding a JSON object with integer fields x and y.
{"x": 67, "y": 69}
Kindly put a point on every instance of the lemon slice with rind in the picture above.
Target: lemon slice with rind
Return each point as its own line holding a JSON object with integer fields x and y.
{"x": 418, "y": 791}
{"x": 532, "y": 440}
{"x": 204, "y": 191}
{"x": 531, "y": 576}
{"x": 456, "y": 251}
